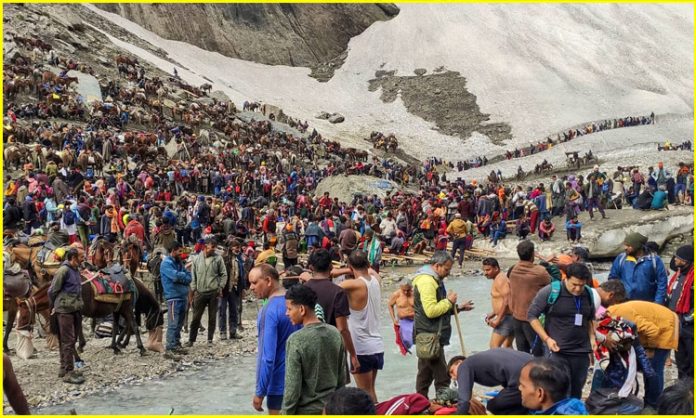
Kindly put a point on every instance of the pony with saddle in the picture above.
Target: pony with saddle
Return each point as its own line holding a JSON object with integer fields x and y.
{"x": 106, "y": 290}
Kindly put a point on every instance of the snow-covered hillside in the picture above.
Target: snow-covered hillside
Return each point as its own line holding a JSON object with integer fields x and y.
{"x": 538, "y": 68}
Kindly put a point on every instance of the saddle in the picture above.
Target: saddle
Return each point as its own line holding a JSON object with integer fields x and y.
{"x": 16, "y": 282}
{"x": 48, "y": 256}
{"x": 110, "y": 284}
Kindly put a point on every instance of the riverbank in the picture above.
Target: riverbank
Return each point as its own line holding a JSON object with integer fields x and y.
{"x": 105, "y": 371}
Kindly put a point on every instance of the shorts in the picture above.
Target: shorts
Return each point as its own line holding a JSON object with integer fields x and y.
{"x": 274, "y": 402}
{"x": 370, "y": 362}
{"x": 506, "y": 327}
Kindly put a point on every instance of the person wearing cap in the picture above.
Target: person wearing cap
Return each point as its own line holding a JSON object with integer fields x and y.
{"x": 208, "y": 277}
{"x": 661, "y": 175}
{"x": 175, "y": 285}
{"x": 65, "y": 301}
{"x": 229, "y": 312}
{"x": 680, "y": 299}
{"x": 642, "y": 273}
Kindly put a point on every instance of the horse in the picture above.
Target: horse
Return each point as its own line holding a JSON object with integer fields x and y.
{"x": 146, "y": 304}
{"x": 206, "y": 87}
{"x": 39, "y": 301}
{"x": 15, "y": 287}
{"x": 130, "y": 255}
{"x": 26, "y": 256}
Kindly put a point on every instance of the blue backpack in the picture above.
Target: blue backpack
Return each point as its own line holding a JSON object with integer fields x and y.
{"x": 69, "y": 217}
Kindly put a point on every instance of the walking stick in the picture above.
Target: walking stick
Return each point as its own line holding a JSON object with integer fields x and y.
{"x": 459, "y": 329}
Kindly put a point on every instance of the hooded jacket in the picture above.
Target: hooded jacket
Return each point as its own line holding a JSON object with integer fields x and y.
{"x": 644, "y": 278}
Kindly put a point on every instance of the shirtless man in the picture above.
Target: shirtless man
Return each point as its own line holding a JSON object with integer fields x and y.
{"x": 500, "y": 319}
{"x": 405, "y": 312}
{"x": 364, "y": 301}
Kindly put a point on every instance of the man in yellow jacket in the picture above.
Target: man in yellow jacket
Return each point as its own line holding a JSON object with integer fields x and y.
{"x": 434, "y": 307}
{"x": 658, "y": 331}
{"x": 459, "y": 230}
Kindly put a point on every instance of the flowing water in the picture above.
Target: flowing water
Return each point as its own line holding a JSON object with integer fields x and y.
{"x": 227, "y": 387}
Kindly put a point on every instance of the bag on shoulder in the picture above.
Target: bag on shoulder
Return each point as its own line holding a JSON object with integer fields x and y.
{"x": 428, "y": 344}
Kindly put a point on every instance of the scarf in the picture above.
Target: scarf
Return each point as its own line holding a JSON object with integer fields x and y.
{"x": 684, "y": 303}
{"x": 111, "y": 213}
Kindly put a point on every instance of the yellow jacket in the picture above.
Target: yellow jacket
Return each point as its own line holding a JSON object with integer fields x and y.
{"x": 658, "y": 327}
{"x": 457, "y": 228}
{"x": 427, "y": 288}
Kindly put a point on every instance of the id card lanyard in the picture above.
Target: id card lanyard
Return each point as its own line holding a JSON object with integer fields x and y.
{"x": 578, "y": 315}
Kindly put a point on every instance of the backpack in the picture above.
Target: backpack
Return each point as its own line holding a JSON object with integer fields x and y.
{"x": 69, "y": 217}
{"x": 556, "y": 292}
{"x": 411, "y": 404}
{"x": 290, "y": 245}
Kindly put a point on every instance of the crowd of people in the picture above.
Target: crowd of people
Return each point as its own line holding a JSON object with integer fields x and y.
{"x": 221, "y": 215}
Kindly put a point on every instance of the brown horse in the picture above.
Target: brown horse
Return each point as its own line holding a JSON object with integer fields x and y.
{"x": 15, "y": 287}
{"x": 130, "y": 254}
{"x": 26, "y": 256}
{"x": 28, "y": 308}
{"x": 92, "y": 308}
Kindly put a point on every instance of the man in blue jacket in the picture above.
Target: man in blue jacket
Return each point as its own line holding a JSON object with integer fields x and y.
{"x": 642, "y": 272}
{"x": 175, "y": 285}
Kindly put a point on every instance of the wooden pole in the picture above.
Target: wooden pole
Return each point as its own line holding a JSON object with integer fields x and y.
{"x": 459, "y": 329}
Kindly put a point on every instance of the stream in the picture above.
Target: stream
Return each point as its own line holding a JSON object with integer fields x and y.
{"x": 227, "y": 386}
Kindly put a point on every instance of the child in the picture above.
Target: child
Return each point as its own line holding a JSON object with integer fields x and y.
{"x": 573, "y": 229}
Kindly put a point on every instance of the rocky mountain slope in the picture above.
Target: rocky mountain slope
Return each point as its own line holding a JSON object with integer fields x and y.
{"x": 307, "y": 35}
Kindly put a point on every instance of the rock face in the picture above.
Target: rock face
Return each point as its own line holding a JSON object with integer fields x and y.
{"x": 304, "y": 35}
{"x": 441, "y": 98}
{"x": 604, "y": 238}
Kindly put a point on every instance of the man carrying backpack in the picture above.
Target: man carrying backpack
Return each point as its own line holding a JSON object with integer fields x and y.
{"x": 642, "y": 273}
{"x": 289, "y": 242}
{"x": 568, "y": 308}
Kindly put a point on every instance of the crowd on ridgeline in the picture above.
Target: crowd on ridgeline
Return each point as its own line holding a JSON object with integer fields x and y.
{"x": 217, "y": 204}
{"x": 566, "y": 136}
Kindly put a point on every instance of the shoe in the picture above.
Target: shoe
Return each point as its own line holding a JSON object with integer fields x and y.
{"x": 61, "y": 374}
{"x": 73, "y": 378}
{"x": 235, "y": 336}
{"x": 223, "y": 336}
{"x": 169, "y": 354}
{"x": 179, "y": 350}
{"x": 210, "y": 343}
{"x": 188, "y": 344}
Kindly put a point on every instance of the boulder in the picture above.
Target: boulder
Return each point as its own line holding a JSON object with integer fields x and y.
{"x": 336, "y": 118}
{"x": 322, "y": 115}
{"x": 70, "y": 21}
{"x": 345, "y": 187}
{"x": 420, "y": 71}
{"x": 219, "y": 95}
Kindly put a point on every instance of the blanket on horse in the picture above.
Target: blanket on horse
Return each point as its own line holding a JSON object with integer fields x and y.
{"x": 110, "y": 284}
